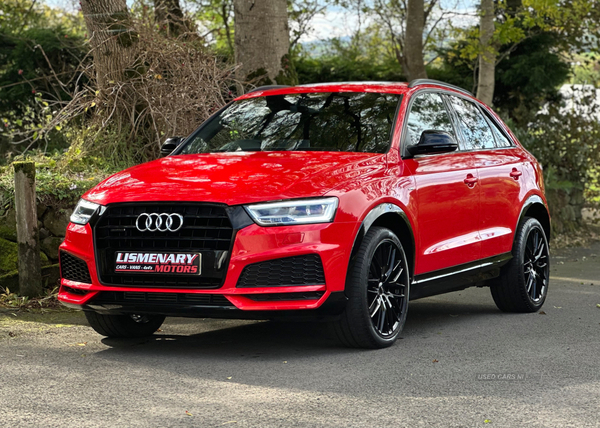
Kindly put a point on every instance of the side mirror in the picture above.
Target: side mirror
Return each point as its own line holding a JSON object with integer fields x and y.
{"x": 169, "y": 145}
{"x": 433, "y": 141}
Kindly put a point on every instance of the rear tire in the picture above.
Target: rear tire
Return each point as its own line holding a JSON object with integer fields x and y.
{"x": 124, "y": 325}
{"x": 377, "y": 288}
{"x": 523, "y": 283}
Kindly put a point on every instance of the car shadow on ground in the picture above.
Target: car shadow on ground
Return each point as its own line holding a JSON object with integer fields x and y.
{"x": 228, "y": 338}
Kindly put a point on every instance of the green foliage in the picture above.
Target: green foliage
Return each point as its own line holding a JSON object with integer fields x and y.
{"x": 27, "y": 64}
{"x": 529, "y": 77}
{"x": 566, "y": 140}
{"x": 39, "y": 47}
{"x": 586, "y": 69}
{"x": 526, "y": 78}
{"x": 349, "y": 61}
{"x": 592, "y": 189}
{"x": 61, "y": 179}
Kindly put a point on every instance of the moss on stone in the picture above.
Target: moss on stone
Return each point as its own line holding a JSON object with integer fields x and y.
{"x": 8, "y": 225}
{"x": 8, "y": 256}
{"x": 26, "y": 167}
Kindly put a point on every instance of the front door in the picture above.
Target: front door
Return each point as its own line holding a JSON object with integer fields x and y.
{"x": 447, "y": 192}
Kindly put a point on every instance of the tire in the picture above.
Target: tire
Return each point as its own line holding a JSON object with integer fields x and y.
{"x": 377, "y": 293}
{"x": 523, "y": 283}
{"x": 124, "y": 325}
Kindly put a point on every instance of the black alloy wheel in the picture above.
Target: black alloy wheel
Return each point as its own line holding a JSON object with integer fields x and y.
{"x": 377, "y": 287}
{"x": 523, "y": 282}
{"x": 535, "y": 265}
{"x": 385, "y": 294}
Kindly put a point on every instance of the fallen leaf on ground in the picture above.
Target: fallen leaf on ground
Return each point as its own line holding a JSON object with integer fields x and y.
{"x": 188, "y": 413}
{"x": 435, "y": 361}
{"x": 542, "y": 313}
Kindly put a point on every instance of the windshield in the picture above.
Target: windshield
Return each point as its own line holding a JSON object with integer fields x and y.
{"x": 336, "y": 121}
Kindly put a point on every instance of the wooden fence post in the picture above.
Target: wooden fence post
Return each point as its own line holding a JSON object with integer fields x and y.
{"x": 30, "y": 272}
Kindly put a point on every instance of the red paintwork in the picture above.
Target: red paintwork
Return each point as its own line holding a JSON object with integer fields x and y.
{"x": 234, "y": 178}
{"x": 461, "y": 206}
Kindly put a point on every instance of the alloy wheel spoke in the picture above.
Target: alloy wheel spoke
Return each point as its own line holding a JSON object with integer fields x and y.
{"x": 529, "y": 281}
{"x": 374, "y": 308}
{"x": 382, "y": 315}
{"x": 400, "y": 270}
{"x": 390, "y": 265}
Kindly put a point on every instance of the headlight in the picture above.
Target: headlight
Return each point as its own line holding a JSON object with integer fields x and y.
{"x": 304, "y": 211}
{"x": 84, "y": 211}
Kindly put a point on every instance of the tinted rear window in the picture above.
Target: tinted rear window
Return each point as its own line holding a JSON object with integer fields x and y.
{"x": 337, "y": 121}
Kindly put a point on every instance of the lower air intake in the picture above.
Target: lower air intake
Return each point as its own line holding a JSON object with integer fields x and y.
{"x": 289, "y": 271}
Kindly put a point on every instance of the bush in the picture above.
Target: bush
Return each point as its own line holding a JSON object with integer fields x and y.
{"x": 61, "y": 179}
{"x": 565, "y": 138}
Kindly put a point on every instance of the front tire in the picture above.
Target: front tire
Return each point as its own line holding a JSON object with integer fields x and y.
{"x": 377, "y": 288}
{"x": 124, "y": 325}
{"x": 523, "y": 284}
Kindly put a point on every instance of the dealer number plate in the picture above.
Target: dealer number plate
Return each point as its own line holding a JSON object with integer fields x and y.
{"x": 171, "y": 263}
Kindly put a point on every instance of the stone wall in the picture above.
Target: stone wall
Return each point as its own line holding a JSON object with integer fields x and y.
{"x": 52, "y": 225}
{"x": 565, "y": 206}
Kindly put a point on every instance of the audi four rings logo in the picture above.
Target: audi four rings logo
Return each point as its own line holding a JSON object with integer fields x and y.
{"x": 159, "y": 222}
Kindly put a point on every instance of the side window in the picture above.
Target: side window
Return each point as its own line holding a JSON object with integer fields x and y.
{"x": 476, "y": 132}
{"x": 427, "y": 112}
{"x": 501, "y": 139}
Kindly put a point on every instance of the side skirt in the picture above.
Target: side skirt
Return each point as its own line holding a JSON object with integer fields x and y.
{"x": 457, "y": 277}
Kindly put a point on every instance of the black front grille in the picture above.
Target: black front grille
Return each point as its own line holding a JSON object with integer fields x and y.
{"x": 206, "y": 230}
{"x": 173, "y": 299}
{"x": 298, "y": 270}
{"x": 74, "y": 269}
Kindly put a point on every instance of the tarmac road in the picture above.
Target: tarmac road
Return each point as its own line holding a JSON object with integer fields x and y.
{"x": 460, "y": 362}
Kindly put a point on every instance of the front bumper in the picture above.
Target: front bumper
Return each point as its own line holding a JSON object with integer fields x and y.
{"x": 332, "y": 242}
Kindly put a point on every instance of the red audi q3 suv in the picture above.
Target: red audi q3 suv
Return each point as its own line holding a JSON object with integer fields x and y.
{"x": 338, "y": 201}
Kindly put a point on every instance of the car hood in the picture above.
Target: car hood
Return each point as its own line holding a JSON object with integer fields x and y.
{"x": 235, "y": 178}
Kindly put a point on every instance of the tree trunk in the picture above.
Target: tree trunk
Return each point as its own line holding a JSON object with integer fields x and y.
{"x": 487, "y": 58}
{"x": 112, "y": 38}
{"x": 169, "y": 16}
{"x": 413, "y": 45}
{"x": 262, "y": 42}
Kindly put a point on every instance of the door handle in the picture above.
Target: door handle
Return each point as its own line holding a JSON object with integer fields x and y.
{"x": 470, "y": 180}
{"x": 515, "y": 173}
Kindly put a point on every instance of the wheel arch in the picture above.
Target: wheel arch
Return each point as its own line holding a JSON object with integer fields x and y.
{"x": 394, "y": 218}
{"x": 535, "y": 207}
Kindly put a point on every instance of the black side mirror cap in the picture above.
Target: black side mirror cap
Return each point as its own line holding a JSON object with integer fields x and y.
{"x": 433, "y": 141}
{"x": 169, "y": 145}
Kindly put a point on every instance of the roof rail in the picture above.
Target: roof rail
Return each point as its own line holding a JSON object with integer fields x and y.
{"x": 416, "y": 82}
{"x": 267, "y": 87}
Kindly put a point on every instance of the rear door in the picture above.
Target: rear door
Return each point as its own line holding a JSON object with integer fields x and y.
{"x": 447, "y": 192}
{"x": 499, "y": 167}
